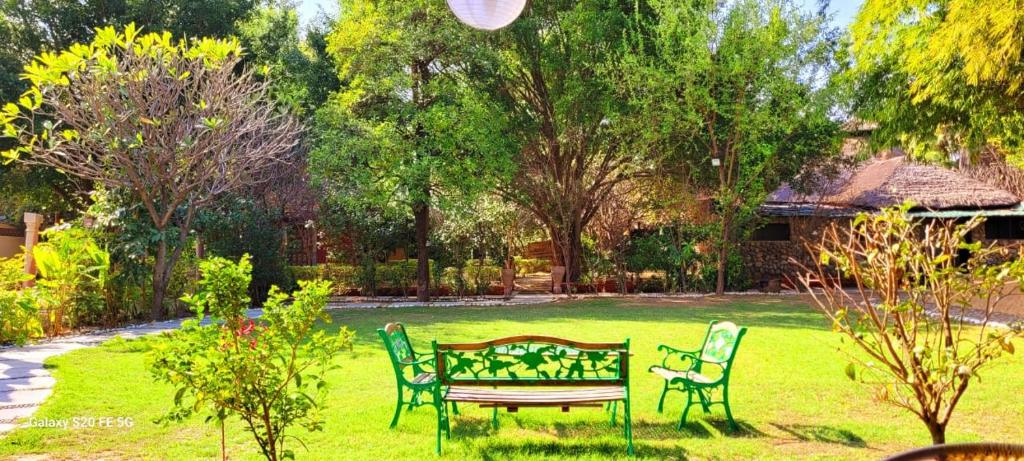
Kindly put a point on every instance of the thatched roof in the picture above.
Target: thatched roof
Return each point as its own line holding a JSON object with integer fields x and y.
{"x": 883, "y": 182}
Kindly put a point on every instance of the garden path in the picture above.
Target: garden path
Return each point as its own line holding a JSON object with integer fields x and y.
{"x": 25, "y": 383}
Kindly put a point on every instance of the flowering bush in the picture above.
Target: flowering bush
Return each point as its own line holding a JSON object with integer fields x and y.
{"x": 268, "y": 372}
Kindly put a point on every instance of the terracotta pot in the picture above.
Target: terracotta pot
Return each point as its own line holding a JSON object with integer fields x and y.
{"x": 962, "y": 451}
{"x": 508, "y": 281}
{"x": 557, "y": 277}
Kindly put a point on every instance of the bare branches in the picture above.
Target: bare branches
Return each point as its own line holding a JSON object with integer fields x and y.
{"x": 909, "y": 289}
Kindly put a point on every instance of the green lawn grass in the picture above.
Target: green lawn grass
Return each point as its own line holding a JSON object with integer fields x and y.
{"x": 789, "y": 392}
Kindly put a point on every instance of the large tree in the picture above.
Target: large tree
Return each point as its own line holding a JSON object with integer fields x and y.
{"x": 30, "y": 27}
{"x": 556, "y": 79}
{"x": 738, "y": 99}
{"x": 405, "y": 126}
{"x": 169, "y": 120}
{"x": 941, "y": 76}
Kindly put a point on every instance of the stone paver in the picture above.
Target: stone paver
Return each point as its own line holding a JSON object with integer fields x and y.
{"x": 25, "y": 383}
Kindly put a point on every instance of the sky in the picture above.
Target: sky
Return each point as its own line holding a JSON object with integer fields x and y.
{"x": 843, "y": 11}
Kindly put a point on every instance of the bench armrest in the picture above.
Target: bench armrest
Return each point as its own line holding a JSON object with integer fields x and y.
{"x": 693, "y": 356}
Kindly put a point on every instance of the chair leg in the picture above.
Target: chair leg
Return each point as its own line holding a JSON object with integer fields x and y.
{"x": 728, "y": 411}
{"x": 686, "y": 409}
{"x": 705, "y": 400}
{"x": 398, "y": 409}
{"x": 628, "y": 423}
{"x": 661, "y": 401}
{"x": 440, "y": 426}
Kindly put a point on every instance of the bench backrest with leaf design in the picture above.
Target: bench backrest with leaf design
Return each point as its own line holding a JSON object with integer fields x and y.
{"x": 533, "y": 361}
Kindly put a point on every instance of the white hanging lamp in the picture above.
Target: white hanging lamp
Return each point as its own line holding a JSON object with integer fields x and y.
{"x": 487, "y": 14}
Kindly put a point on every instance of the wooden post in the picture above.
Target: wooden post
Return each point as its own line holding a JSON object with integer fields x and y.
{"x": 32, "y": 223}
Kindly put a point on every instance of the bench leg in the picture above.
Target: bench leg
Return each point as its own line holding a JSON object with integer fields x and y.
{"x": 494, "y": 418}
{"x": 615, "y": 409}
{"x": 728, "y": 411}
{"x": 455, "y": 408}
{"x": 686, "y": 409}
{"x": 398, "y": 409}
{"x": 661, "y": 401}
{"x": 627, "y": 421}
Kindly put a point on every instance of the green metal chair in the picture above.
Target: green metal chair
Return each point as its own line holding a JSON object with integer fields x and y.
{"x": 412, "y": 373}
{"x": 703, "y": 372}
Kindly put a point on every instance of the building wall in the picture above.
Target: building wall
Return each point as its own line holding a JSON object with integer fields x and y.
{"x": 767, "y": 260}
{"x": 11, "y": 240}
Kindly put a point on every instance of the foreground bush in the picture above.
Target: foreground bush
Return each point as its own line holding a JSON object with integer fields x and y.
{"x": 268, "y": 372}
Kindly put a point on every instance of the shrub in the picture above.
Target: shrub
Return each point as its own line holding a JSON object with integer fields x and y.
{"x": 269, "y": 372}
{"x": 73, "y": 274}
{"x": 526, "y": 266}
{"x": 19, "y": 317}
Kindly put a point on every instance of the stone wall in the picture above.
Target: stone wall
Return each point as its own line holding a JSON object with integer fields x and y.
{"x": 766, "y": 260}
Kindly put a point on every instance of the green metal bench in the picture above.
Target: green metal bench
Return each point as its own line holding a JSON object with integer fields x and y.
{"x": 703, "y": 372}
{"x": 533, "y": 371}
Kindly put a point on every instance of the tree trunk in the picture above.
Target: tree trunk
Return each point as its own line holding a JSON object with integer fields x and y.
{"x": 568, "y": 251}
{"x": 723, "y": 254}
{"x": 159, "y": 282}
{"x": 421, "y": 212}
{"x": 938, "y": 432}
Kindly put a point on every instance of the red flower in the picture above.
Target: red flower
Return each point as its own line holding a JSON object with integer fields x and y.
{"x": 246, "y": 328}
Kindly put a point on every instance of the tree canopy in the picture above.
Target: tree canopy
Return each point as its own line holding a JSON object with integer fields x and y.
{"x": 941, "y": 76}
{"x": 738, "y": 99}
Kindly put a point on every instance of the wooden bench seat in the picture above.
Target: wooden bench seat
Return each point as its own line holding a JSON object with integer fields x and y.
{"x": 514, "y": 398}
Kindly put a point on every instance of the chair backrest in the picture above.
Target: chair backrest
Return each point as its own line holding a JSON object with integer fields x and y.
{"x": 533, "y": 361}
{"x": 397, "y": 344}
{"x": 721, "y": 343}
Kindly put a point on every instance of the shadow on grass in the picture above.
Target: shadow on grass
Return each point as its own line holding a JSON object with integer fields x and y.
{"x": 502, "y": 450}
{"x": 699, "y": 429}
{"x": 825, "y": 434}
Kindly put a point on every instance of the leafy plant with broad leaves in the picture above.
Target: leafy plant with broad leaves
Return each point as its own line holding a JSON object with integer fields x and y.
{"x": 269, "y": 372}
{"x": 73, "y": 272}
{"x": 914, "y": 287}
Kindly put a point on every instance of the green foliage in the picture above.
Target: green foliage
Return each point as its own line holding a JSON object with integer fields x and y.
{"x": 12, "y": 272}
{"x": 673, "y": 251}
{"x": 241, "y": 225}
{"x": 940, "y": 76}
{"x": 907, "y": 311}
{"x": 270, "y": 372}
{"x": 526, "y": 266}
{"x": 738, "y": 95}
{"x": 19, "y": 314}
{"x": 74, "y": 273}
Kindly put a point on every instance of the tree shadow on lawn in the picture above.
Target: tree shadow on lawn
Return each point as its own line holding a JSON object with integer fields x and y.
{"x": 796, "y": 315}
{"x": 819, "y": 433}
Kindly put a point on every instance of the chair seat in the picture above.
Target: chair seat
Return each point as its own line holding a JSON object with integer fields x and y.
{"x": 423, "y": 378}
{"x": 689, "y": 375}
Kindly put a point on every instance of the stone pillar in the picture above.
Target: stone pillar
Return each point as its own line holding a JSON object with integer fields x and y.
{"x": 32, "y": 223}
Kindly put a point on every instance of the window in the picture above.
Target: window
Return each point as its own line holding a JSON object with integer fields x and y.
{"x": 772, "y": 232}
{"x": 1004, "y": 228}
